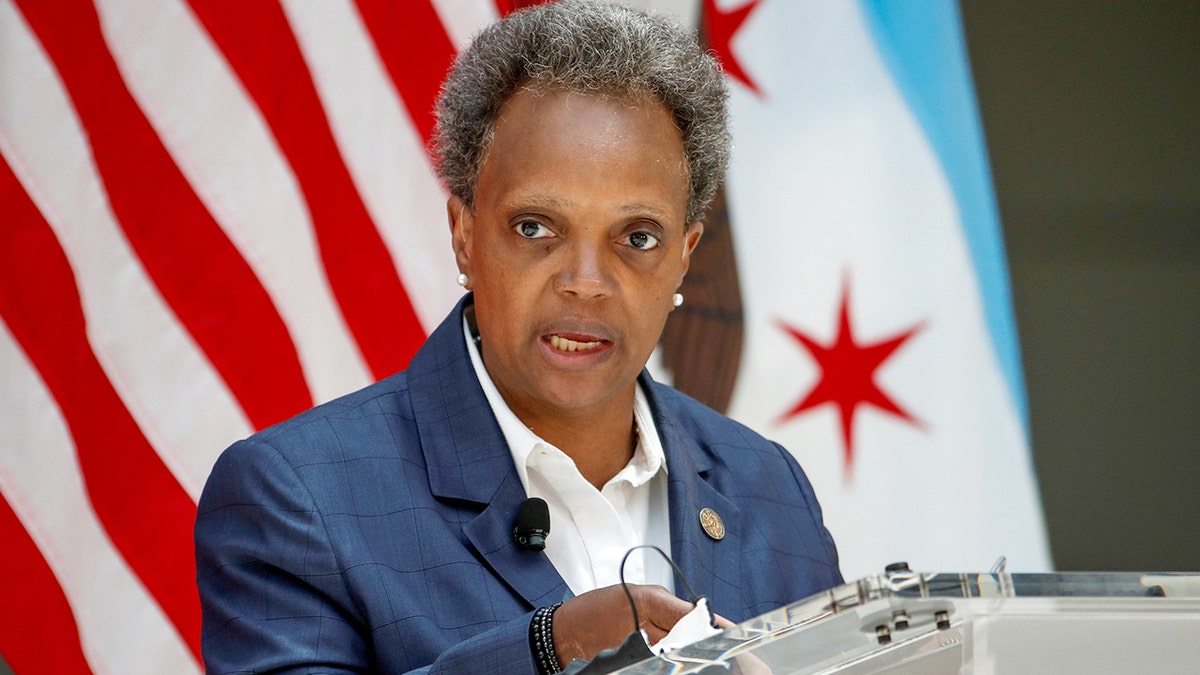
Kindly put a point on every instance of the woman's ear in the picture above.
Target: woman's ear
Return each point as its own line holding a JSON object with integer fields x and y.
{"x": 691, "y": 237}
{"x": 461, "y": 220}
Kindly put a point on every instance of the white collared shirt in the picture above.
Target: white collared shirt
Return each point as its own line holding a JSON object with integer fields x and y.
{"x": 590, "y": 529}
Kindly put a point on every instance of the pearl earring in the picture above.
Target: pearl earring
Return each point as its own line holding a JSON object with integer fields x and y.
{"x": 677, "y": 299}
{"x": 462, "y": 280}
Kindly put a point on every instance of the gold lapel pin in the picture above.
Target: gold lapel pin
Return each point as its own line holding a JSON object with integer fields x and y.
{"x": 711, "y": 522}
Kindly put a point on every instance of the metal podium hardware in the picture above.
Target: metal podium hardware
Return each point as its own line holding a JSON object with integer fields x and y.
{"x": 902, "y": 622}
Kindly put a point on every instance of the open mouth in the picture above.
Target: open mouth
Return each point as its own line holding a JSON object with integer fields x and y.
{"x": 563, "y": 344}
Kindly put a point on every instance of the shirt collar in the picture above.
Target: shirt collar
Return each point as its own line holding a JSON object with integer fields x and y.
{"x": 648, "y": 457}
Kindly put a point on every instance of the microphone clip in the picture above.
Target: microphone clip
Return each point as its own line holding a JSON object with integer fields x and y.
{"x": 532, "y": 524}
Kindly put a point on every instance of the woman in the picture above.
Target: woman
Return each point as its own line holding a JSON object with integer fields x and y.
{"x": 581, "y": 144}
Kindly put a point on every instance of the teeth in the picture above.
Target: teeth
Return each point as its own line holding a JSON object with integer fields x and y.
{"x": 562, "y": 344}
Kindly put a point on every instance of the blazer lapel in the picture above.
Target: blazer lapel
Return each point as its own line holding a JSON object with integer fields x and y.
{"x": 529, "y": 573}
{"x": 711, "y": 566}
{"x": 469, "y": 460}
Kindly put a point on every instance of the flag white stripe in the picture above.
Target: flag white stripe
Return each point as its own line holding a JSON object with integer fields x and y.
{"x": 382, "y": 149}
{"x": 188, "y": 417}
{"x": 121, "y": 628}
{"x": 464, "y": 18}
{"x": 225, "y": 149}
{"x": 686, "y": 12}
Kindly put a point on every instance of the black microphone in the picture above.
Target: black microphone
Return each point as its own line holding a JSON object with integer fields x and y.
{"x": 532, "y": 524}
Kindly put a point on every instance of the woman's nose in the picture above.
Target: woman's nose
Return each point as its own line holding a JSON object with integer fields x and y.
{"x": 584, "y": 272}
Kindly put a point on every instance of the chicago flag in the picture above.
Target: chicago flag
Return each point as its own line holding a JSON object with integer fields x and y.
{"x": 880, "y": 345}
{"x": 214, "y": 215}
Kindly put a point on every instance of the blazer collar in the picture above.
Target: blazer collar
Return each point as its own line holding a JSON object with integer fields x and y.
{"x": 465, "y": 452}
{"x": 468, "y": 460}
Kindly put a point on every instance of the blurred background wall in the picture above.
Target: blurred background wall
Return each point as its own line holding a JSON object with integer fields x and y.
{"x": 1092, "y": 116}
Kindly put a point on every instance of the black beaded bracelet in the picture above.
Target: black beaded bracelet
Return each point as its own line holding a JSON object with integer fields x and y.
{"x": 541, "y": 640}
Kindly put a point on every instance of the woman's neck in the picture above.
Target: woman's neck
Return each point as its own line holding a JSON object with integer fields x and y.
{"x": 600, "y": 442}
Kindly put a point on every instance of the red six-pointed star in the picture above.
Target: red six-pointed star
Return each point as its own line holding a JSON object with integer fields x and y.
{"x": 848, "y": 375}
{"x": 720, "y": 28}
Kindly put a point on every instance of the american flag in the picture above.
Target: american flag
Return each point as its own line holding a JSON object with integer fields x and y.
{"x": 215, "y": 214}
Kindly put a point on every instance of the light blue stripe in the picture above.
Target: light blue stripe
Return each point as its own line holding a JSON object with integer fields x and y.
{"x": 921, "y": 41}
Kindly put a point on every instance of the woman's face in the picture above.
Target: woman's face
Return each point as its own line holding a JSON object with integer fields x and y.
{"x": 574, "y": 247}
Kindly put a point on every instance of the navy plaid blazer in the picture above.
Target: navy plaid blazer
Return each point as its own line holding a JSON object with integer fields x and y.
{"x": 374, "y": 533}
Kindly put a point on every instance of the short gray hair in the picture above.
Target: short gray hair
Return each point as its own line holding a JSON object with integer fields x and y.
{"x": 584, "y": 47}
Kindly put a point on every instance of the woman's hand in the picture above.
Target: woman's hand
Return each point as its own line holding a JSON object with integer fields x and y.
{"x": 601, "y": 619}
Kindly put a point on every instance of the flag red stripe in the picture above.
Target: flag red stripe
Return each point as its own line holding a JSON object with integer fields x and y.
{"x": 209, "y": 286}
{"x": 260, "y": 47}
{"x": 415, "y": 50}
{"x": 142, "y": 507}
{"x": 34, "y": 607}
{"x": 506, "y": 7}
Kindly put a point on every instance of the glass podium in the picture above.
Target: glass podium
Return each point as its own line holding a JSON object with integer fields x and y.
{"x": 903, "y": 622}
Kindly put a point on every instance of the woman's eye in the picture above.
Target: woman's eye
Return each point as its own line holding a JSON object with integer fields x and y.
{"x": 643, "y": 241}
{"x": 531, "y": 229}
